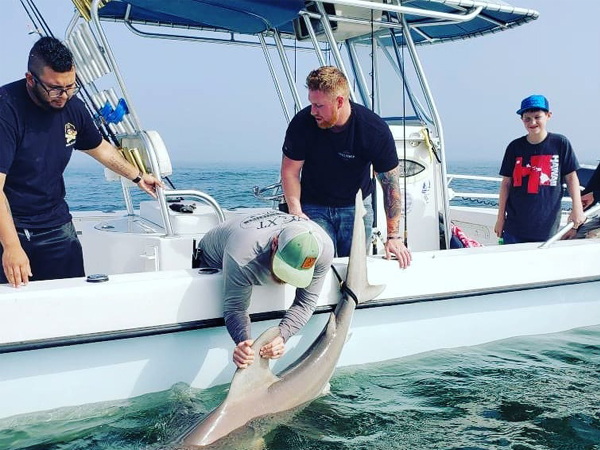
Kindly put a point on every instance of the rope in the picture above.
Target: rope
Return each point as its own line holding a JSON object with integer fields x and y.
{"x": 343, "y": 287}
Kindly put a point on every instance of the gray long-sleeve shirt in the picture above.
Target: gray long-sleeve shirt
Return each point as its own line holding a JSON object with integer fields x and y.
{"x": 242, "y": 248}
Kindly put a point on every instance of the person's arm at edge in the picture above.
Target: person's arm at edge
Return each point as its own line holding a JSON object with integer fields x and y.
{"x": 290, "y": 181}
{"x": 591, "y": 193}
{"x": 15, "y": 262}
{"x": 237, "y": 290}
{"x": 502, "y": 199}
{"x": 108, "y": 156}
{"x": 577, "y": 216}
{"x": 392, "y": 203}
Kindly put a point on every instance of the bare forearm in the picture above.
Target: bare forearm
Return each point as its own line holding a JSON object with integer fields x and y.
{"x": 8, "y": 233}
{"x": 574, "y": 191}
{"x": 290, "y": 181}
{"x": 503, "y": 196}
{"x": 291, "y": 191}
{"x": 392, "y": 199}
{"x": 109, "y": 156}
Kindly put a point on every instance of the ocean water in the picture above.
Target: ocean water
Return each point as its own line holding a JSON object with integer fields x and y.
{"x": 533, "y": 393}
{"x": 230, "y": 185}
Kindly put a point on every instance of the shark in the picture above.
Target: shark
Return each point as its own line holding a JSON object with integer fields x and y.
{"x": 255, "y": 392}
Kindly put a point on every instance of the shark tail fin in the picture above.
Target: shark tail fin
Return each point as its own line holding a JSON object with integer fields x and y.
{"x": 257, "y": 374}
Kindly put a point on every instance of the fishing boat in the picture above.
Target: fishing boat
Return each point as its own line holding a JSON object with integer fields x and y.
{"x": 146, "y": 318}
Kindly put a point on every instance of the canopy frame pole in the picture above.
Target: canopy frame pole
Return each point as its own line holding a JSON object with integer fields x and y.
{"x": 416, "y": 104}
{"x": 408, "y": 10}
{"x": 332, "y": 43}
{"x": 288, "y": 71}
{"x": 276, "y": 82}
{"x": 313, "y": 37}
{"x": 412, "y": 50}
{"x": 359, "y": 75}
{"x": 376, "y": 94}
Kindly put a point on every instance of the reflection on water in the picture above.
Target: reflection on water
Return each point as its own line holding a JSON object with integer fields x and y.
{"x": 540, "y": 392}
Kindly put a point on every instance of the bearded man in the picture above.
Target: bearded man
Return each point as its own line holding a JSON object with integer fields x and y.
{"x": 328, "y": 152}
{"x": 41, "y": 122}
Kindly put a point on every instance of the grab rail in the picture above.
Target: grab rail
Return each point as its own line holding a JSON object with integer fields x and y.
{"x": 203, "y": 196}
{"x": 564, "y": 230}
{"x": 410, "y": 11}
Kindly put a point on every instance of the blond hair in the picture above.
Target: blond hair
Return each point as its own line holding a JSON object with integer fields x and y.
{"x": 330, "y": 80}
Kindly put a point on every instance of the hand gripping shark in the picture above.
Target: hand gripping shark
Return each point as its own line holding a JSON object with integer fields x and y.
{"x": 256, "y": 392}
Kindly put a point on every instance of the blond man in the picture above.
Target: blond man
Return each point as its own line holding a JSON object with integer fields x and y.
{"x": 328, "y": 151}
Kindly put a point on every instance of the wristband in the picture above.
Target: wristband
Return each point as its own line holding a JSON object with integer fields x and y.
{"x": 393, "y": 237}
{"x": 137, "y": 179}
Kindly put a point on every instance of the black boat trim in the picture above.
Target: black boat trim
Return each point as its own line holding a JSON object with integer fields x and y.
{"x": 132, "y": 333}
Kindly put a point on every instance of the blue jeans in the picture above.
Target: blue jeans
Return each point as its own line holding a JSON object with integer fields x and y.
{"x": 53, "y": 252}
{"x": 338, "y": 222}
{"x": 508, "y": 238}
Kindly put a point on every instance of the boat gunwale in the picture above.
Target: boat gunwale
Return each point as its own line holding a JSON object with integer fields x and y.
{"x": 132, "y": 333}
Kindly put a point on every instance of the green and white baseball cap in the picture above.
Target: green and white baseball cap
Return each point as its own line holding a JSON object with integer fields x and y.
{"x": 298, "y": 249}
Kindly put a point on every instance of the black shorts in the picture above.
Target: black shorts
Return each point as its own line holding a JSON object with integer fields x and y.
{"x": 53, "y": 252}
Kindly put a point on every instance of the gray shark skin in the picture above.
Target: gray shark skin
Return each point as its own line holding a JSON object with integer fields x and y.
{"x": 256, "y": 392}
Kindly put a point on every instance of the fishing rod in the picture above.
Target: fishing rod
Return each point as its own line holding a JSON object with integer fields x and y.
{"x": 43, "y": 29}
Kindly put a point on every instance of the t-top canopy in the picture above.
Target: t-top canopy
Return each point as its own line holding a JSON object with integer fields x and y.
{"x": 257, "y": 16}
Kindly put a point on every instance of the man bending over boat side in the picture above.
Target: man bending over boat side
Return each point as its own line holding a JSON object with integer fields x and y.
{"x": 41, "y": 122}
{"x": 333, "y": 143}
{"x": 267, "y": 248}
{"x": 533, "y": 170}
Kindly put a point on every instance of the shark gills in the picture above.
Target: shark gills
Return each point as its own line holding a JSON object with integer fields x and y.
{"x": 256, "y": 392}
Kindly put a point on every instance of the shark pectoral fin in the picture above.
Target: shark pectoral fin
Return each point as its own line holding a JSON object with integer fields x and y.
{"x": 370, "y": 292}
{"x": 256, "y": 374}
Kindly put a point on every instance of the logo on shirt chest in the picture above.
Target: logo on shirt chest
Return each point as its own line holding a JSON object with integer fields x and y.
{"x": 70, "y": 134}
{"x": 346, "y": 156}
{"x": 542, "y": 170}
{"x": 268, "y": 220}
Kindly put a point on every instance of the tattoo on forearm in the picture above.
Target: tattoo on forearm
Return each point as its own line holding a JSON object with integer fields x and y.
{"x": 392, "y": 198}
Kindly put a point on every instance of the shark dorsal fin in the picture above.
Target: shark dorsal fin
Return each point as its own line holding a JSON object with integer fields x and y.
{"x": 356, "y": 273}
{"x": 257, "y": 374}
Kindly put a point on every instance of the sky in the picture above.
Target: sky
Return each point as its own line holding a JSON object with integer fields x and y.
{"x": 216, "y": 103}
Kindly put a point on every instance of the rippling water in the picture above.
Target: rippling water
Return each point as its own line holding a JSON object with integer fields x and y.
{"x": 540, "y": 392}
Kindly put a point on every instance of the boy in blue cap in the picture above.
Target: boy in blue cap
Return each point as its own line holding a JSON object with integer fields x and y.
{"x": 533, "y": 170}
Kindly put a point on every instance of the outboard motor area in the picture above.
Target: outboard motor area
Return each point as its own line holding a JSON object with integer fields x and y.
{"x": 420, "y": 188}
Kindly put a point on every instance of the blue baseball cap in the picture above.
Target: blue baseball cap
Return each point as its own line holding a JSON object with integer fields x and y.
{"x": 534, "y": 102}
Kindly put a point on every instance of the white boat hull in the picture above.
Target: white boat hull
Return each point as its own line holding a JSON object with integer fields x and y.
{"x": 68, "y": 342}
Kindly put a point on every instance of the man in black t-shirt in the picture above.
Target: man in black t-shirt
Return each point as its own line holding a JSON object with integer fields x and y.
{"x": 41, "y": 122}
{"x": 333, "y": 143}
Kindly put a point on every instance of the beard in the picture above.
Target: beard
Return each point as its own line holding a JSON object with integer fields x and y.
{"x": 327, "y": 124}
{"x": 44, "y": 102}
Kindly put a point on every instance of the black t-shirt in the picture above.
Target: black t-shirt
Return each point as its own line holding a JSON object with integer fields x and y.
{"x": 537, "y": 172}
{"x": 594, "y": 184}
{"x": 35, "y": 147}
{"x": 336, "y": 164}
